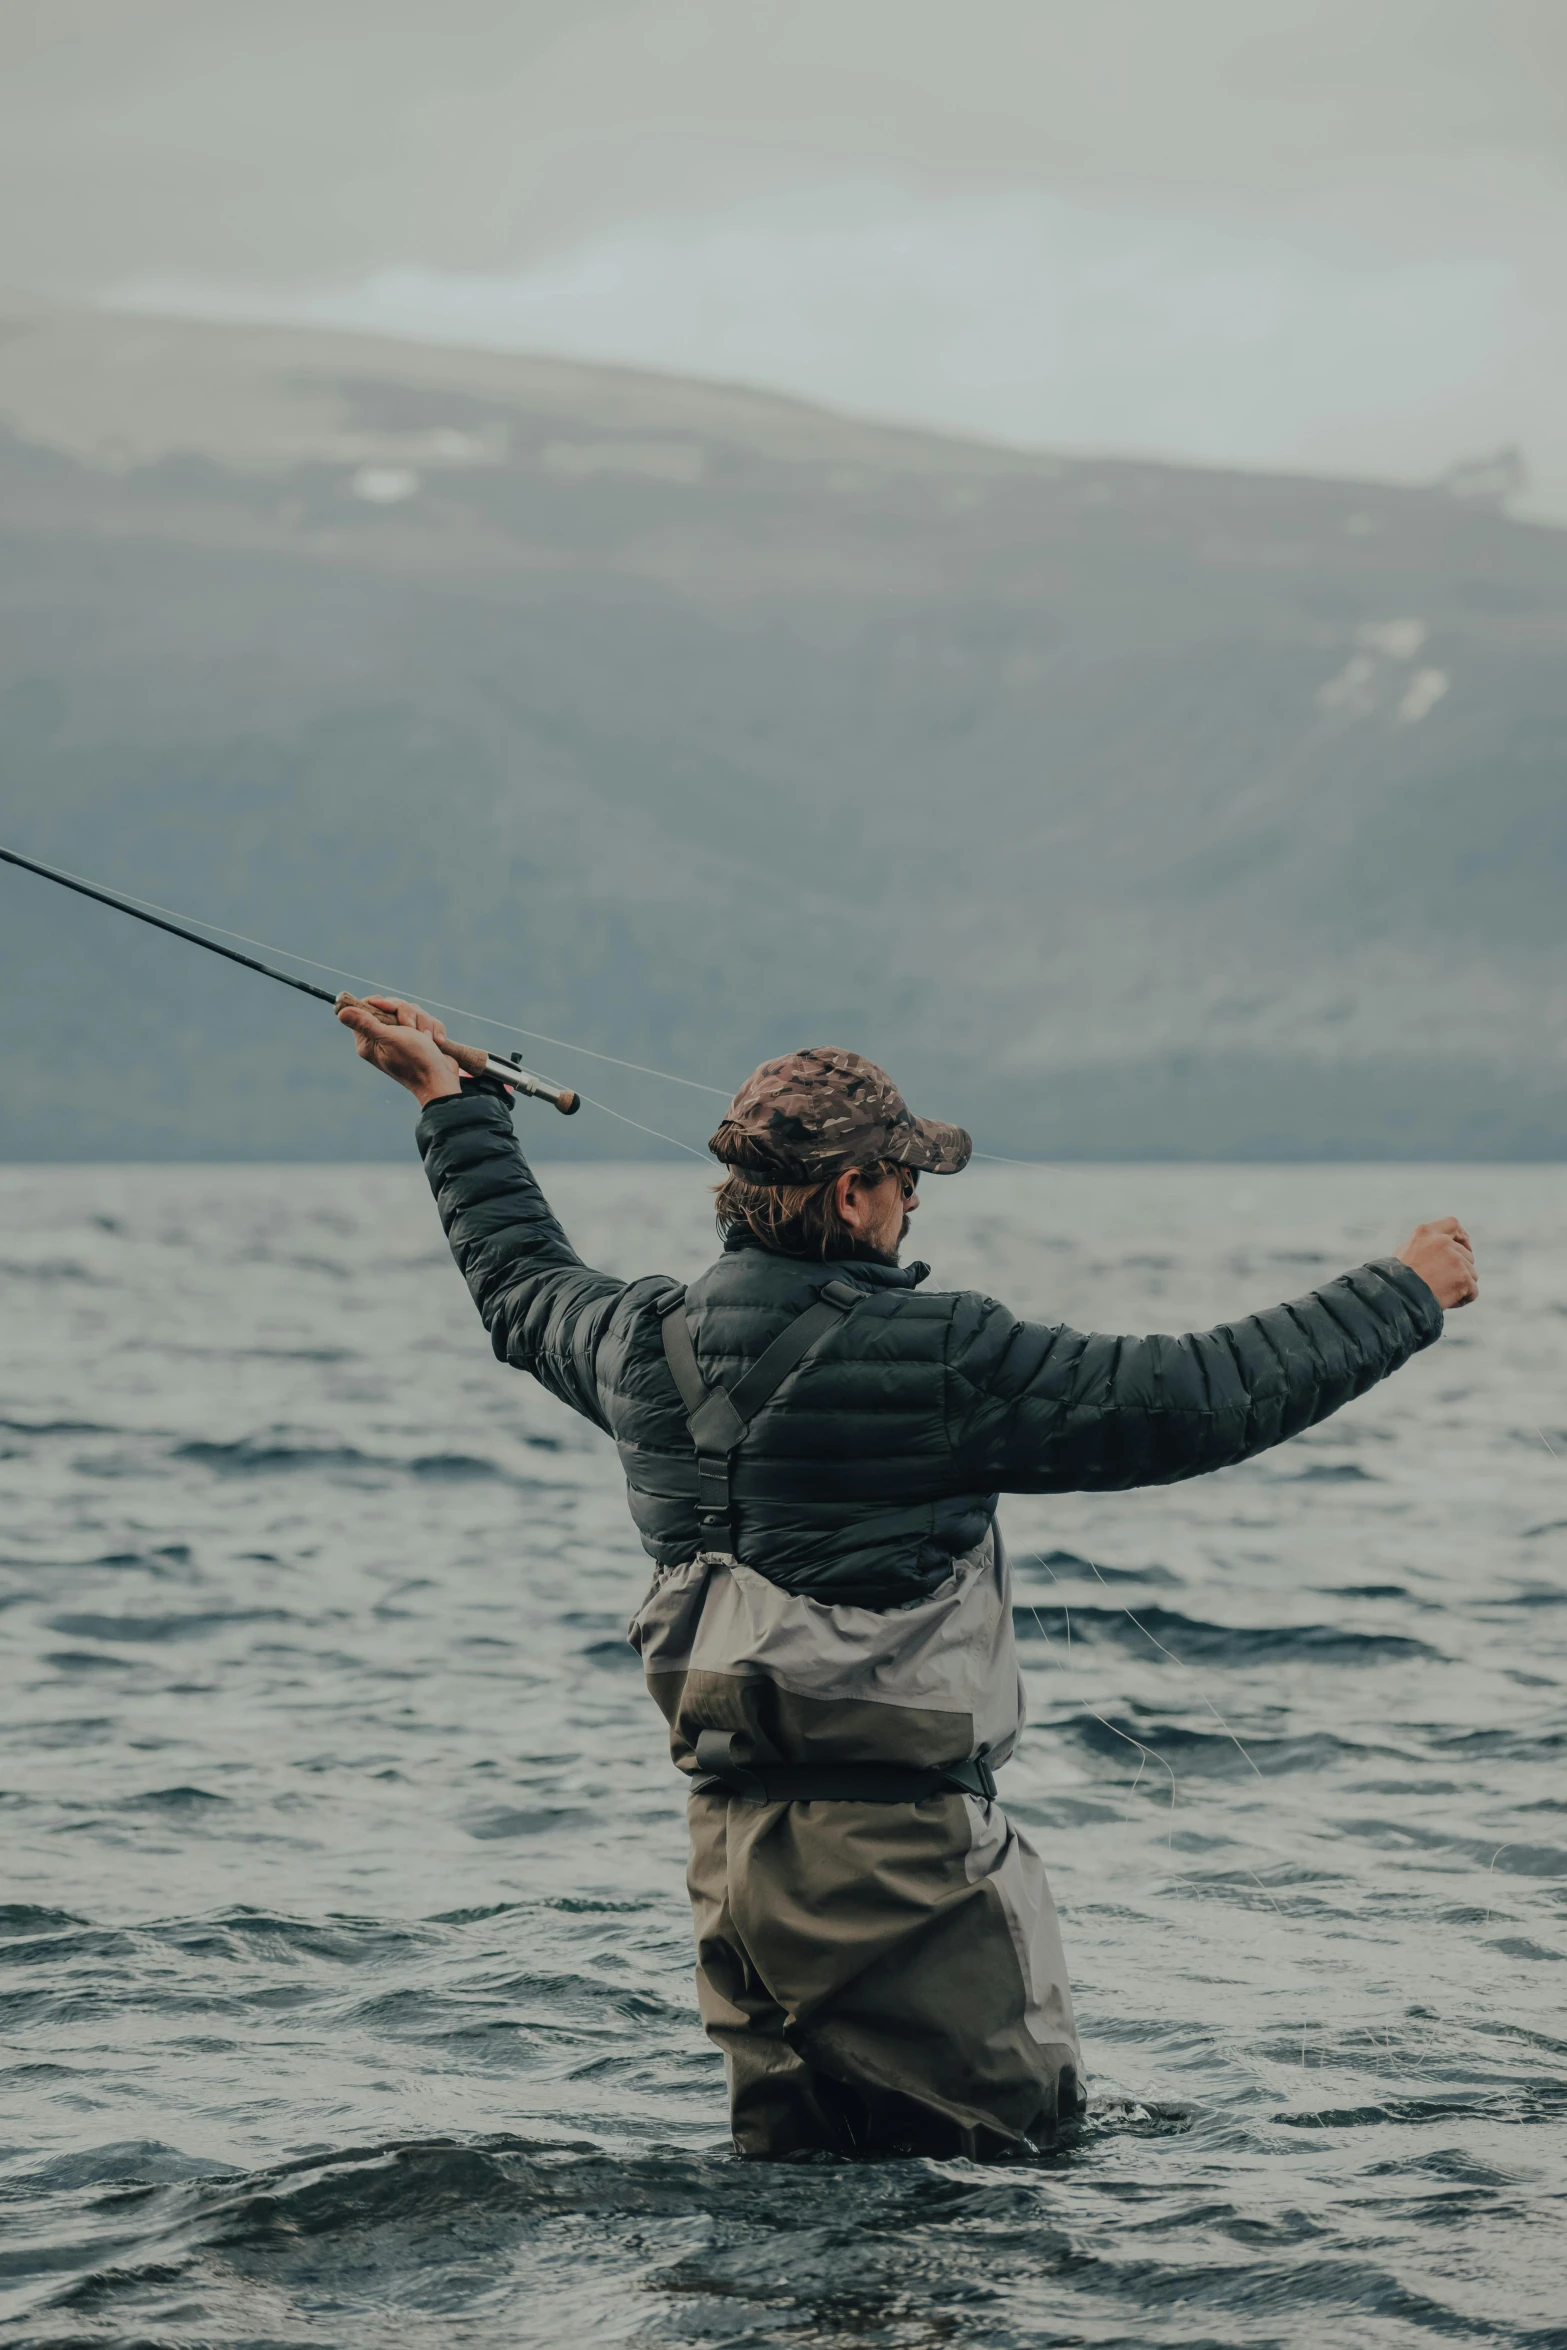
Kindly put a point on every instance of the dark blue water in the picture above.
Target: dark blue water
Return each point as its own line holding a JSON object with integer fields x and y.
{"x": 344, "y": 1967}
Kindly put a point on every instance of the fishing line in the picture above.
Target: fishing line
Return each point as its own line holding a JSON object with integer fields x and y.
{"x": 690, "y": 1152}
{"x": 1185, "y": 1668}
{"x": 1146, "y": 1753}
{"x": 1124, "y": 1610}
{"x": 1218, "y": 1717}
{"x": 1201, "y": 1692}
{"x": 488, "y": 1020}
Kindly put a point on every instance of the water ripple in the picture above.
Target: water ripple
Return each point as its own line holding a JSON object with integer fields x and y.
{"x": 344, "y": 1961}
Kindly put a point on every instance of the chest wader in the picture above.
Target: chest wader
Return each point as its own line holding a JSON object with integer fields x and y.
{"x": 877, "y": 1950}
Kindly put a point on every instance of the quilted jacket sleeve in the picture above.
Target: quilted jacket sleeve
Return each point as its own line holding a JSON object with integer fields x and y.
{"x": 544, "y": 1309}
{"x": 1039, "y": 1410}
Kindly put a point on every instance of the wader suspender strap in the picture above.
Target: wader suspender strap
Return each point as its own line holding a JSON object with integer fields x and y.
{"x": 718, "y": 1418}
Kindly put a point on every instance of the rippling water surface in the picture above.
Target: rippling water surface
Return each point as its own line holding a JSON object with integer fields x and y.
{"x": 344, "y": 1973}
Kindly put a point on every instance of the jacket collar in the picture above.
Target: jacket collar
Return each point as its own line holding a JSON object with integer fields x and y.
{"x": 865, "y": 1265}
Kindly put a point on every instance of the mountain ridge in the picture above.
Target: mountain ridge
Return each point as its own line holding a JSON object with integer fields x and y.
{"x": 1132, "y": 810}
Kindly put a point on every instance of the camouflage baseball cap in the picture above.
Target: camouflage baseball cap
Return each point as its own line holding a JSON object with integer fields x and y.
{"x": 819, "y": 1112}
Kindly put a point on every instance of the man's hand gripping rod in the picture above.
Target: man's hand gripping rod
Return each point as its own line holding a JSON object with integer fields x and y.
{"x": 474, "y": 1061}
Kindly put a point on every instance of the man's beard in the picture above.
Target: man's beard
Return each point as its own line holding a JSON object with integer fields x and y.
{"x": 892, "y": 1254}
{"x": 879, "y": 1249}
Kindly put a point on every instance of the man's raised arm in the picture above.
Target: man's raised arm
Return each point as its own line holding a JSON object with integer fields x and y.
{"x": 1041, "y": 1410}
{"x": 543, "y": 1308}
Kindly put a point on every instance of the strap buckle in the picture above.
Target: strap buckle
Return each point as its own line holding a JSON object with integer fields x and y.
{"x": 713, "y": 1503}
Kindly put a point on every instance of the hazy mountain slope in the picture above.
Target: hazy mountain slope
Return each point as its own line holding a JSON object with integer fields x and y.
{"x": 1121, "y": 808}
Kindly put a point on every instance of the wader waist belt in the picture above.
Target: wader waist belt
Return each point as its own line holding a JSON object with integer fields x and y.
{"x": 831, "y": 1782}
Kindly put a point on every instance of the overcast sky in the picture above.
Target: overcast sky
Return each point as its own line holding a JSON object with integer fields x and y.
{"x": 1328, "y": 234}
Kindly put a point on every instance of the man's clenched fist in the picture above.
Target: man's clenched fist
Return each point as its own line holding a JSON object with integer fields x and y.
{"x": 1443, "y": 1256}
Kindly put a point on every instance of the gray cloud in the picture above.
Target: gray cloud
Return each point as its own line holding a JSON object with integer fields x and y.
{"x": 1308, "y": 234}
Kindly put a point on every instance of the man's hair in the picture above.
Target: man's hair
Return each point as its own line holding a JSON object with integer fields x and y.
{"x": 792, "y": 1219}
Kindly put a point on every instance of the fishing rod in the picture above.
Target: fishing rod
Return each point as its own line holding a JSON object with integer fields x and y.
{"x": 472, "y": 1059}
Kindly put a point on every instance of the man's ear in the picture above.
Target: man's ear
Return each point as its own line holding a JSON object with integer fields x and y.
{"x": 847, "y": 1196}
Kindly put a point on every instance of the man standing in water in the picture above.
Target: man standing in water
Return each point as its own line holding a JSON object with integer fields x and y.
{"x": 813, "y": 1449}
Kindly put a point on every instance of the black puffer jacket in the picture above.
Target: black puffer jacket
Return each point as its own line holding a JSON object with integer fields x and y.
{"x": 879, "y": 1460}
